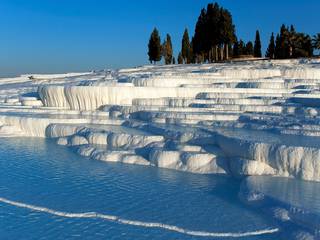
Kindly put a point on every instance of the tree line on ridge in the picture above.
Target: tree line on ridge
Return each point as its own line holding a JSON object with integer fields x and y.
{"x": 215, "y": 39}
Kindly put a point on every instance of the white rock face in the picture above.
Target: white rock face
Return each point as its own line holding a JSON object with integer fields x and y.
{"x": 174, "y": 81}
{"x": 85, "y": 150}
{"x": 165, "y": 159}
{"x": 300, "y": 162}
{"x": 8, "y": 131}
{"x": 186, "y": 161}
{"x": 98, "y": 138}
{"x": 12, "y": 100}
{"x": 202, "y": 163}
{"x": 91, "y": 98}
{"x": 302, "y": 73}
{"x": 61, "y": 130}
{"x": 123, "y": 140}
{"x": 251, "y": 73}
{"x": 62, "y": 141}
{"x": 241, "y": 118}
{"x": 35, "y": 126}
{"x": 243, "y": 167}
{"x": 34, "y": 103}
{"x": 134, "y": 159}
{"x": 123, "y": 157}
{"x": 78, "y": 140}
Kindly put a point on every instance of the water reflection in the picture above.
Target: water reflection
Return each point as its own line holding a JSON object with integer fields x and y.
{"x": 304, "y": 194}
{"x": 38, "y": 172}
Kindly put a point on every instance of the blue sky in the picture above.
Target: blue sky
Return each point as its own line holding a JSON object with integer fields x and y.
{"x": 77, "y": 35}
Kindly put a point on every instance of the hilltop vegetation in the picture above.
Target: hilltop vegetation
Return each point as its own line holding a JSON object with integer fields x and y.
{"x": 215, "y": 39}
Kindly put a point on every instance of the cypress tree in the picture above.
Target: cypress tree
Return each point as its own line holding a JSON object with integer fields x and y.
{"x": 199, "y": 36}
{"x": 190, "y": 57}
{"x": 249, "y": 48}
{"x": 214, "y": 34}
{"x": 271, "y": 48}
{"x": 302, "y": 46}
{"x": 154, "y": 47}
{"x": 257, "y": 46}
{"x": 292, "y": 37}
{"x": 241, "y": 47}
{"x": 316, "y": 41}
{"x": 292, "y": 44}
{"x": 236, "y": 49}
{"x": 226, "y": 33}
{"x": 230, "y": 50}
{"x": 185, "y": 48}
{"x": 167, "y": 50}
{"x": 180, "y": 58}
{"x": 284, "y": 51}
{"x": 308, "y": 46}
{"x": 277, "y": 52}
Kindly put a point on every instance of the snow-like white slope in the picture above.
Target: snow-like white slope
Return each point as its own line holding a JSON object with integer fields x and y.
{"x": 240, "y": 119}
{"x": 54, "y": 76}
{"x": 93, "y": 97}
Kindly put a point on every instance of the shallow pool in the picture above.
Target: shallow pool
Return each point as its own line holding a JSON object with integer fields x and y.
{"x": 42, "y": 185}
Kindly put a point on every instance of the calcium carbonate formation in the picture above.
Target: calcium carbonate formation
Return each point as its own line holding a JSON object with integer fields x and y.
{"x": 241, "y": 119}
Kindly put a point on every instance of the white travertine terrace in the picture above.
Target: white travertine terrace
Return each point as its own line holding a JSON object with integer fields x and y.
{"x": 256, "y": 121}
{"x": 240, "y": 119}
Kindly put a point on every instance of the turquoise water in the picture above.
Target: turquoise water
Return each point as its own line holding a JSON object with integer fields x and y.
{"x": 38, "y": 173}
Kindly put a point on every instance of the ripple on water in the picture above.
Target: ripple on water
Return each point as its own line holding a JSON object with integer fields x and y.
{"x": 37, "y": 172}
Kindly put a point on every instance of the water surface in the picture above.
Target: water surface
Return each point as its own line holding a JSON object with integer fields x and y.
{"x": 38, "y": 172}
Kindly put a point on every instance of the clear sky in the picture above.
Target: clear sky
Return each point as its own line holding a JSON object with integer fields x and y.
{"x": 78, "y": 35}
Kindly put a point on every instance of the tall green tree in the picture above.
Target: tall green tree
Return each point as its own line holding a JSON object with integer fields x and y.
{"x": 226, "y": 34}
{"x": 190, "y": 57}
{"x": 167, "y": 50}
{"x": 242, "y": 48}
{"x": 277, "y": 52}
{"x": 180, "y": 58}
{"x": 257, "y": 45}
{"x": 316, "y": 41}
{"x": 308, "y": 46}
{"x": 249, "y": 48}
{"x": 236, "y": 49}
{"x": 284, "y": 49}
{"x": 291, "y": 40}
{"x": 271, "y": 48}
{"x": 185, "y": 47}
{"x": 214, "y": 34}
{"x": 154, "y": 47}
{"x": 292, "y": 44}
{"x": 200, "y": 41}
{"x": 302, "y": 46}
